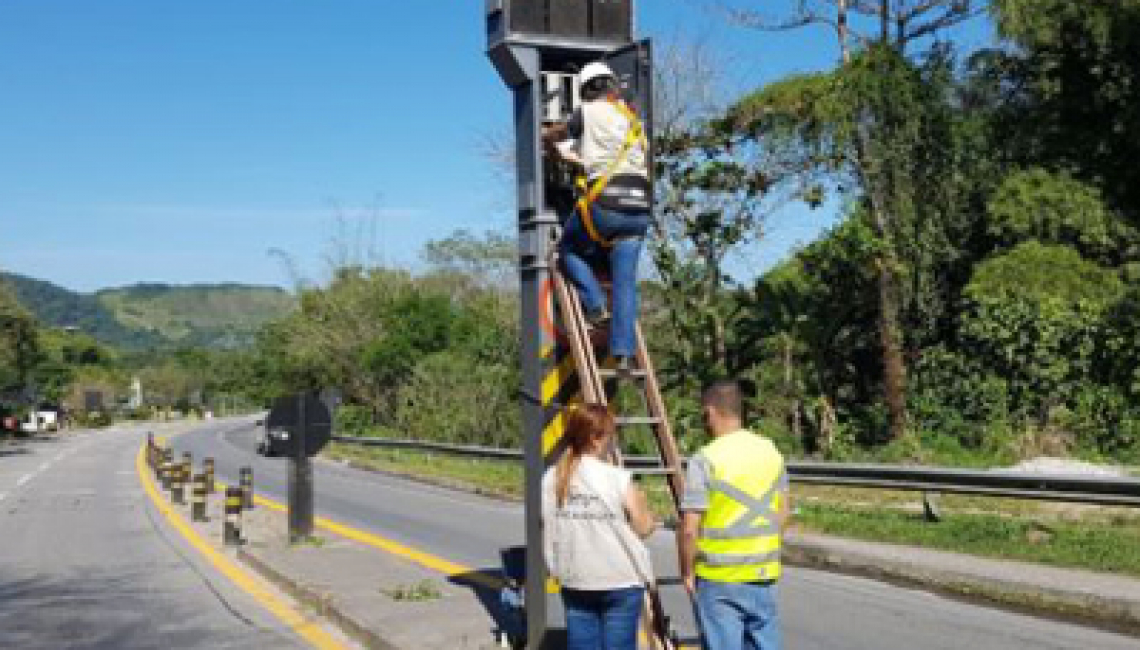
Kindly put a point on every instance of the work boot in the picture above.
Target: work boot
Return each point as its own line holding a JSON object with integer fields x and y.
{"x": 598, "y": 319}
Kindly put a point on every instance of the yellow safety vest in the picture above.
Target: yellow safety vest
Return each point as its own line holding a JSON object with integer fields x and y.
{"x": 590, "y": 193}
{"x": 739, "y": 540}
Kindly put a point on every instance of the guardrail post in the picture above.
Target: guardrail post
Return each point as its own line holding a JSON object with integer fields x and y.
{"x": 246, "y": 482}
{"x": 231, "y": 530}
{"x": 198, "y": 499}
{"x": 208, "y": 470}
{"x": 930, "y": 508}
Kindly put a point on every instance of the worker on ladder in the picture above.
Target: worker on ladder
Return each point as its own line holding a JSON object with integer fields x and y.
{"x": 612, "y": 215}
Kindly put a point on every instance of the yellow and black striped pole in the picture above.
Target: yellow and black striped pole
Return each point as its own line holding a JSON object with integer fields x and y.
{"x": 166, "y": 474}
{"x": 246, "y": 482}
{"x": 231, "y": 530}
{"x": 178, "y": 483}
{"x": 198, "y": 499}
{"x": 208, "y": 470}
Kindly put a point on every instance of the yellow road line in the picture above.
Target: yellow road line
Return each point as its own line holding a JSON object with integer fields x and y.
{"x": 426, "y": 560}
{"x": 292, "y": 617}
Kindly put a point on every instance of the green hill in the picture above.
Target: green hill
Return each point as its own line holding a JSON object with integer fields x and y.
{"x": 152, "y": 315}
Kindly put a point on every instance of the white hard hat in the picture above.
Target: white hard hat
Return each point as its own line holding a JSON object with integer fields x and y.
{"x": 595, "y": 70}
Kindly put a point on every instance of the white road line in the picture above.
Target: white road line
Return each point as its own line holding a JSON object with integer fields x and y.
{"x": 3, "y": 495}
{"x": 43, "y": 467}
{"x": 24, "y": 479}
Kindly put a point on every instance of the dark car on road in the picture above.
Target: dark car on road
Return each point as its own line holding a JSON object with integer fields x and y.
{"x": 272, "y": 442}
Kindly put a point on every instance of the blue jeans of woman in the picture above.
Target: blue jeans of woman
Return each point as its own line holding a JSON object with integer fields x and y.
{"x": 737, "y": 616}
{"x": 602, "y": 620}
{"x": 580, "y": 255}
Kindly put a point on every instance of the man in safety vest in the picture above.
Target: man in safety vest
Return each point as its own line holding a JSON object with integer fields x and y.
{"x": 734, "y": 510}
{"x": 612, "y": 215}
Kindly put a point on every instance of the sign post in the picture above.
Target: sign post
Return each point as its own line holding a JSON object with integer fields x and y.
{"x": 307, "y": 420}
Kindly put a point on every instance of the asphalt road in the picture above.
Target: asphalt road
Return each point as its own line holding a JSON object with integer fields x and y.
{"x": 88, "y": 563}
{"x": 820, "y": 610}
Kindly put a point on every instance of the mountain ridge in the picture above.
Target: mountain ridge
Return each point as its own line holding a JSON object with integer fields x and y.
{"x": 157, "y": 314}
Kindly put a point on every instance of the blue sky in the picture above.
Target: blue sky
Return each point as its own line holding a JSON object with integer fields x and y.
{"x": 179, "y": 141}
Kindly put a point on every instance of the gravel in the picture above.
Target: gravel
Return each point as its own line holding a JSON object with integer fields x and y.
{"x": 1067, "y": 466}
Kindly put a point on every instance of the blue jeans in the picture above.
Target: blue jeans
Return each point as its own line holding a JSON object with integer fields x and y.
{"x": 602, "y": 620}
{"x": 737, "y": 616}
{"x": 580, "y": 255}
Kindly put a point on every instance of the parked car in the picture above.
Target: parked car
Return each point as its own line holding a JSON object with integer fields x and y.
{"x": 272, "y": 442}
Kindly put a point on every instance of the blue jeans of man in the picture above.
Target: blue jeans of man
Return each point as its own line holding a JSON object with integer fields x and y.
{"x": 738, "y": 615}
{"x": 602, "y": 620}
{"x": 580, "y": 255}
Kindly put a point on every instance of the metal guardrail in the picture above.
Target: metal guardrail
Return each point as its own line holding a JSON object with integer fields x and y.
{"x": 1095, "y": 490}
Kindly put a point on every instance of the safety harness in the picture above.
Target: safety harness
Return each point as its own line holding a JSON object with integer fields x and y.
{"x": 590, "y": 193}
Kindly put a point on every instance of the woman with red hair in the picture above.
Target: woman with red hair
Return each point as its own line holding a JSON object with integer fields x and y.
{"x": 595, "y": 518}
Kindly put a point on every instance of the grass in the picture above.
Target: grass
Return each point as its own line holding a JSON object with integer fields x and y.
{"x": 1089, "y": 537}
{"x": 1098, "y": 546}
{"x": 502, "y": 478}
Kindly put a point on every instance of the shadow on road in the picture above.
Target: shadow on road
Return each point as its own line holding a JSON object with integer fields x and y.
{"x": 500, "y": 591}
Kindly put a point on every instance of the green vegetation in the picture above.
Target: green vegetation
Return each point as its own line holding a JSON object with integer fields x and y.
{"x": 501, "y": 478}
{"x": 1106, "y": 547}
{"x": 222, "y": 315}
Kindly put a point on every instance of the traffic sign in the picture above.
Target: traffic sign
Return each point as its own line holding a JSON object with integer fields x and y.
{"x": 303, "y": 416}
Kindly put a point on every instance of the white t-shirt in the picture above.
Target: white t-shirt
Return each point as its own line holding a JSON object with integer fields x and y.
{"x": 588, "y": 542}
{"x": 600, "y": 129}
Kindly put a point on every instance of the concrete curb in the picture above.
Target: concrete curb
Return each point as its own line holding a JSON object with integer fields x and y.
{"x": 323, "y": 603}
{"x": 1085, "y": 607}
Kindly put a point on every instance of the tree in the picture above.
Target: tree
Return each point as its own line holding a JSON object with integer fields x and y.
{"x": 19, "y": 349}
{"x": 881, "y": 131}
{"x": 1070, "y": 87}
{"x": 871, "y": 132}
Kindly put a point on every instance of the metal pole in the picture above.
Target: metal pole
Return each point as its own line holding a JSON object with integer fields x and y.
{"x": 300, "y": 481}
{"x": 536, "y": 225}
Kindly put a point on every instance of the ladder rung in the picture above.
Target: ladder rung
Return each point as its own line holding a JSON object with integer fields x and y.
{"x": 611, "y": 373}
{"x": 633, "y": 420}
{"x": 653, "y": 471}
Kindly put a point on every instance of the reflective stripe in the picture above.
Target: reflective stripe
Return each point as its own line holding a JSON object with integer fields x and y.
{"x": 746, "y": 526}
{"x": 741, "y": 531}
{"x": 736, "y": 559}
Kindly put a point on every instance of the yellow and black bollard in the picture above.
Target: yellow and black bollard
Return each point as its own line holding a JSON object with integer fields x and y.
{"x": 198, "y": 499}
{"x": 188, "y": 460}
{"x": 208, "y": 470}
{"x": 231, "y": 531}
{"x": 178, "y": 484}
{"x": 166, "y": 474}
{"x": 160, "y": 468}
{"x": 246, "y": 482}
